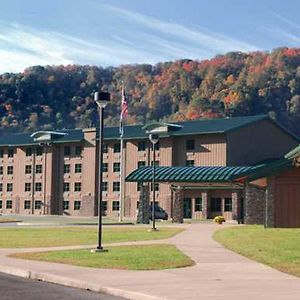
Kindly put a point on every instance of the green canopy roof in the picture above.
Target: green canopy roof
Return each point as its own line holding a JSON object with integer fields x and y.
{"x": 187, "y": 174}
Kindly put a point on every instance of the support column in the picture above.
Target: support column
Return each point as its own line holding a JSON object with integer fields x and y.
{"x": 204, "y": 197}
{"x": 270, "y": 202}
{"x": 178, "y": 205}
{"x": 144, "y": 211}
{"x": 236, "y": 196}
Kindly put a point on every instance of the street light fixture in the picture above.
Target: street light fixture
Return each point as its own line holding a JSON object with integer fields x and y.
{"x": 101, "y": 99}
{"x": 154, "y": 138}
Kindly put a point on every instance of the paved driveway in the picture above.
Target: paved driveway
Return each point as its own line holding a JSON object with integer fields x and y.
{"x": 218, "y": 274}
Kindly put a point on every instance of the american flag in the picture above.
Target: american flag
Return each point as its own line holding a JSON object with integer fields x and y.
{"x": 124, "y": 111}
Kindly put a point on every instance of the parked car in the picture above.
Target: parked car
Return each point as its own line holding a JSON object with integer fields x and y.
{"x": 159, "y": 213}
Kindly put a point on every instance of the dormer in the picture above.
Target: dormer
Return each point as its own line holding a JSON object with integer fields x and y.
{"x": 46, "y": 136}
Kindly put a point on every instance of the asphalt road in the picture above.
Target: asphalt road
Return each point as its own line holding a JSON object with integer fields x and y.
{"x": 16, "y": 288}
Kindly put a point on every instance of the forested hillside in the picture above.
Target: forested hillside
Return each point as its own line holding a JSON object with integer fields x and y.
{"x": 56, "y": 97}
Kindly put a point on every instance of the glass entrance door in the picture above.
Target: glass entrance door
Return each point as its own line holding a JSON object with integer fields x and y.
{"x": 215, "y": 207}
{"x": 187, "y": 208}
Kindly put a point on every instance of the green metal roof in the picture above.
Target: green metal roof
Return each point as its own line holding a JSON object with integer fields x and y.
{"x": 203, "y": 126}
{"x": 187, "y": 174}
{"x": 74, "y": 135}
{"x": 293, "y": 153}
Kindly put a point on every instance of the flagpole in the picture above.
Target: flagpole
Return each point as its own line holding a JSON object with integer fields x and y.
{"x": 121, "y": 179}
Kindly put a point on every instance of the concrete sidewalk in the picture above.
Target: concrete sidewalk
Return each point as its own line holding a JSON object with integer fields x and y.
{"x": 218, "y": 274}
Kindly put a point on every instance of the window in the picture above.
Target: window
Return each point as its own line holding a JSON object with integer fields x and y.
{"x": 156, "y": 163}
{"x": 8, "y": 204}
{"x": 104, "y": 206}
{"x": 27, "y": 169}
{"x": 38, "y": 186}
{"x": 116, "y": 186}
{"x": 67, "y": 151}
{"x": 1, "y": 170}
{"x": 9, "y": 187}
{"x": 115, "y": 205}
{"x": 39, "y": 151}
{"x": 1, "y": 153}
{"x": 77, "y": 205}
{"x": 38, "y": 169}
{"x": 10, "y": 170}
{"x": 27, "y": 204}
{"x": 66, "y": 187}
{"x": 0, "y": 204}
{"x": 215, "y": 204}
{"x": 141, "y": 164}
{"x": 78, "y": 168}
{"x": 198, "y": 204}
{"x": 10, "y": 153}
{"x": 228, "y": 204}
{"x": 66, "y": 205}
{"x": 117, "y": 148}
{"x": 37, "y": 204}
{"x": 105, "y": 148}
{"x": 27, "y": 186}
{"x": 141, "y": 146}
{"x": 190, "y": 145}
{"x": 157, "y": 146}
{"x": 104, "y": 167}
{"x": 104, "y": 186}
{"x": 28, "y": 151}
{"x": 78, "y": 150}
{"x": 156, "y": 186}
{"x": 77, "y": 187}
{"x": 1, "y": 187}
{"x": 66, "y": 168}
{"x": 116, "y": 167}
{"x": 190, "y": 163}
{"x": 138, "y": 186}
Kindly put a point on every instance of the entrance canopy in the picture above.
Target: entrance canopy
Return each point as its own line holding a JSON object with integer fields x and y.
{"x": 188, "y": 174}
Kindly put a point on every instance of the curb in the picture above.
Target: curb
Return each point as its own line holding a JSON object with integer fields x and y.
{"x": 69, "y": 282}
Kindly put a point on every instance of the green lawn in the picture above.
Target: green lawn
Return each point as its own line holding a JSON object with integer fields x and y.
{"x": 143, "y": 257}
{"x": 278, "y": 248}
{"x": 65, "y": 236}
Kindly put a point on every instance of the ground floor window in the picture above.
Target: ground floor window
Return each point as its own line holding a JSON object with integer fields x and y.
{"x": 8, "y": 204}
{"x": 228, "y": 204}
{"x": 198, "y": 204}
{"x": 115, "y": 205}
{"x": 104, "y": 206}
{"x": 0, "y": 204}
{"x": 66, "y": 205}
{"x": 27, "y": 204}
{"x": 77, "y": 205}
{"x": 37, "y": 204}
{"x": 215, "y": 204}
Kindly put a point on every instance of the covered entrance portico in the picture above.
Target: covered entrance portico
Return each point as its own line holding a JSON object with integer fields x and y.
{"x": 197, "y": 192}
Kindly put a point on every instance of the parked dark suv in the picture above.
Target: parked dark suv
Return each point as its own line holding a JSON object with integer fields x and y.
{"x": 159, "y": 213}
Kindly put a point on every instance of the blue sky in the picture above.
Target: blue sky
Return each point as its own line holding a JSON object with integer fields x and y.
{"x": 110, "y": 33}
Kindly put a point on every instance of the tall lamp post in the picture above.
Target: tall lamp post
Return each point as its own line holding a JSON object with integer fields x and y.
{"x": 154, "y": 140}
{"x": 101, "y": 99}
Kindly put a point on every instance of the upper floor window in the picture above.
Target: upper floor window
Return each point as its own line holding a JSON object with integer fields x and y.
{"x": 116, "y": 167}
{"x": 39, "y": 151}
{"x": 190, "y": 145}
{"x": 104, "y": 148}
{"x": 28, "y": 151}
{"x": 1, "y": 170}
{"x": 115, "y": 205}
{"x": 66, "y": 168}
{"x": 28, "y": 169}
{"x": 1, "y": 187}
{"x": 104, "y": 167}
{"x": 78, "y": 150}
{"x": 66, "y": 186}
{"x": 77, "y": 205}
{"x": 104, "y": 186}
{"x": 116, "y": 186}
{"x": 78, "y": 168}
{"x": 9, "y": 187}
{"x": 10, "y": 153}
{"x": 190, "y": 163}
{"x": 156, "y": 163}
{"x": 38, "y": 186}
{"x": 117, "y": 148}
{"x": 77, "y": 187}
{"x": 67, "y": 151}
{"x": 141, "y": 163}
{"x": 38, "y": 169}
{"x": 141, "y": 146}
{"x": 10, "y": 170}
{"x": 27, "y": 187}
